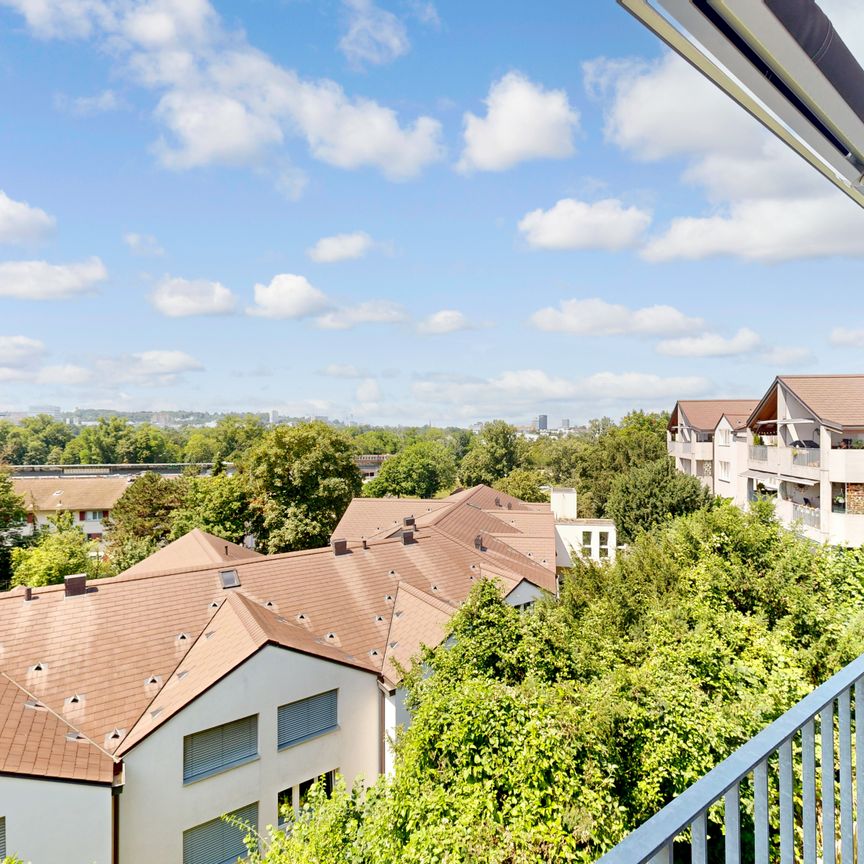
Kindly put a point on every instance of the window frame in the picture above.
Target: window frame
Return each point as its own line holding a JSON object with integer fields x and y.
{"x": 190, "y": 778}
{"x": 287, "y": 744}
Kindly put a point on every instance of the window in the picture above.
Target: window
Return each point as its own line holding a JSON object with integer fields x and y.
{"x": 328, "y": 780}
{"x": 285, "y": 805}
{"x": 219, "y": 748}
{"x": 724, "y": 437}
{"x": 2, "y": 836}
{"x": 723, "y": 470}
{"x": 307, "y": 718}
{"x": 586, "y": 544}
{"x": 94, "y": 515}
{"x": 218, "y": 841}
{"x": 604, "y": 544}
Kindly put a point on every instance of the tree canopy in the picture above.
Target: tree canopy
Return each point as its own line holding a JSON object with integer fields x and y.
{"x": 55, "y": 555}
{"x": 421, "y": 470}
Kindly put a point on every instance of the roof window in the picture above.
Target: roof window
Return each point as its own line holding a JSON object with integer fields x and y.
{"x": 229, "y": 578}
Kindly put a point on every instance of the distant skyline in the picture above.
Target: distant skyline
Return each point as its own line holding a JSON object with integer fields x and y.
{"x": 400, "y": 212}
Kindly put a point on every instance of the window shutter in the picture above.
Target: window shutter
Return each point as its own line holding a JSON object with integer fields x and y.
{"x": 307, "y": 718}
{"x": 2, "y": 836}
{"x": 219, "y": 748}
{"x": 218, "y": 841}
{"x": 82, "y": 515}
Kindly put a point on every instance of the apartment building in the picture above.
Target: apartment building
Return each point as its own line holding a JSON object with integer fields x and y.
{"x": 690, "y": 438}
{"x": 88, "y": 499}
{"x": 136, "y": 711}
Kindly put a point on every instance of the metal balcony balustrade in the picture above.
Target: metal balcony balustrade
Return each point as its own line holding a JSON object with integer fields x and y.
{"x": 807, "y": 764}
{"x": 809, "y": 458}
{"x": 758, "y": 452}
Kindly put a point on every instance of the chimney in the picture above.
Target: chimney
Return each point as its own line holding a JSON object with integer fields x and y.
{"x": 497, "y": 501}
{"x": 28, "y": 593}
{"x": 409, "y": 522}
{"x": 407, "y": 538}
{"x": 478, "y": 542}
{"x": 340, "y": 546}
{"x": 509, "y": 505}
{"x": 76, "y": 585}
{"x": 365, "y": 543}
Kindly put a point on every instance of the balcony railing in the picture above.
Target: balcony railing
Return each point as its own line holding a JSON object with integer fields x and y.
{"x": 686, "y": 446}
{"x": 808, "y": 516}
{"x": 758, "y": 452}
{"x": 793, "y": 740}
{"x": 809, "y": 458}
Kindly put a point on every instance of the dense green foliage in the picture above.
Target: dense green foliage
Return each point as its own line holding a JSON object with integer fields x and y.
{"x": 647, "y": 494}
{"x": 548, "y": 735}
{"x": 493, "y": 454}
{"x": 56, "y": 554}
{"x": 420, "y": 470}
{"x": 525, "y": 484}
{"x": 12, "y": 518}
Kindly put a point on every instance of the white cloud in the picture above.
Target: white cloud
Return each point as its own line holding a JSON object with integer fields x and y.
{"x": 445, "y": 321}
{"x": 374, "y": 35}
{"x": 368, "y": 390}
{"x": 39, "y": 280}
{"x": 523, "y": 121}
{"x": 143, "y": 245}
{"x": 850, "y": 337}
{"x": 288, "y": 296}
{"x": 89, "y": 106}
{"x": 180, "y": 298}
{"x": 572, "y": 224}
{"x": 745, "y": 341}
{"x": 340, "y": 247}
{"x": 600, "y": 318}
{"x": 221, "y": 101}
{"x": 343, "y": 370}
{"x": 66, "y": 374}
{"x": 368, "y": 312}
{"x": 787, "y": 357}
{"x": 149, "y": 368}
{"x": 19, "y": 351}
{"x": 766, "y": 204}
{"x": 21, "y": 223}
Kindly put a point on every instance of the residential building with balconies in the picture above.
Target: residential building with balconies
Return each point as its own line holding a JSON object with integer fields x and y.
{"x": 806, "y": 450}
{"x": 691, "y": 442}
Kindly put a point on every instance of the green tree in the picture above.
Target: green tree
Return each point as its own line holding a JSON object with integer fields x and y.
{"x": 220, "y": 505}
{"x": 652, "y": 493}
{"x": 524, "y": 483}
{"x": 493, "y": 454}
{"x": 123, "y": 554}
{"x": 302, "y": 479}
{"x": 58, "y": 553}
{"x": 145, "y": 510}
{"x": 421, "y": 470}
{"x": 13, "y": 516}
{"x": 377, "y": 441}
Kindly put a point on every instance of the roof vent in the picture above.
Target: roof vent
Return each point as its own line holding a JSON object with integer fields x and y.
{"x": 379, "y": 619}
{"x": 331, "y": 637}
{"x": 497, "y": 501}
{"x": 155, "y": 713}
{"x": 214, "y": 604}
{"x": 388, "y": 598}
{"x": 75, "y": 736}
{"x": 393, "y": 644}
{"x": 409, "y": 522}
{"x": 434, "y": 587}
{"x": 392, "y": 573}
{"x": 473, "y": 566}
{"x": 478, "y": 542}
{"x": 407, "y": 538}
{"x": 182, "y": 674}
{"x": 269, "y": 604}
{"x": 28, "y": 593}
{"x": 114, "y": 735}
{"x": 301, "y": 616}
{"x": 153, "y": 681}
{"x": 77, "y": 699}
{"x": 374, "y": 652}
{"x": 365, "y": 543}
{"x": 39, "y": 667}
{"x": 340, "y": 546}
{"x": 209, "y": 634}
{"x": 509, "y": 505}
{"x": 35, "y": 705}
{"x": 76, "y": 585}
{"x": 229, "y": 578}
{"x": 182, "y": 637}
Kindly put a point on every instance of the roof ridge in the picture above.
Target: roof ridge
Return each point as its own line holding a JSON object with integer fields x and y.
{"x": 420, "y": 594}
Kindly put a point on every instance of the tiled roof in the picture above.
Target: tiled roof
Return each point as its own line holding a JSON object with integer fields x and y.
{"x": 62, "y": 493}
{"x": 370, "y": 517}
{"x": 836, "y": 400}
{"x": 120, "y": 647}
{"x": 704, "y": 414}
{"x": 195, "y": 549}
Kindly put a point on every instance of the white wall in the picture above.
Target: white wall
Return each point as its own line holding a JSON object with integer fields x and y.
{"x": 49, "y": 822}
{"x": 396, "y": 714}
{"x": 564, "y": 502}
{"x": 524, "y": 592}
{"x": 156, "y": 807}
{"x": 568, "y": 538}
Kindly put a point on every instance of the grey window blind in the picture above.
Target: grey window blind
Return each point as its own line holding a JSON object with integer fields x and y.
{"x": 219, "y": 748}
{"x": 218, "y": 841}
{"x": 2, "y": 836}
{"x": 307, "y": 718}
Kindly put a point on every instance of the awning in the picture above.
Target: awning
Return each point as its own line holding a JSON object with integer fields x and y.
{"x": 768, "y": 479}
{"x": 801, "y": 481}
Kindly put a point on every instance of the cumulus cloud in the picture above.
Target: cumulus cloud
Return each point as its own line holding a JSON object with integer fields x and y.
{"x": 143, "y": 245}
{"x": 64, "y": 374}
{"x": 153, "y": 368}
{"x": 343, "y": 370}
{"x": 19, "y": 351}
{"x": 89, "y": 106}
{"x": 368, "y": 312}
{"x": 180, "y": 298}
{"x": 21, "y": 223}
{"x": 222, "y": 101}
{"x": 600, "y": 318}
{"x": 523, "y": 121}
{"x": 374, "y": 35}
{"x": 288, "y": 296}
{"x": 445, "y": 321}
{"x": 745, "y": 341}
{"x": 39, "y": 280}
{"x": 340, "y": 247}
{"x": 572, "y": 224}
{"x": 765, "y": 203}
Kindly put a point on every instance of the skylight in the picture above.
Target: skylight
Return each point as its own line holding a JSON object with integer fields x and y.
{"x": 229, "y": 578}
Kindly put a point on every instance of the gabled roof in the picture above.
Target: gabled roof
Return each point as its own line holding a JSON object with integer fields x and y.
{"x": 64, "y": 493}
{"x": 703, "y": 415}
{"x": 835, "y": 400}
{"x": 195, "y": 549}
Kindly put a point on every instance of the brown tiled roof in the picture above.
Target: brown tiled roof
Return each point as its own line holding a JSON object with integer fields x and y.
{"x": 737, "y": 421}
{"x": 835, "y": 400}
{"x": 370, "y": 517}
{"x": 704, "y": 414}
{"x": 195, "y": 549}
{"x": 119, "y": 647}
{"x": 64, "y": 493}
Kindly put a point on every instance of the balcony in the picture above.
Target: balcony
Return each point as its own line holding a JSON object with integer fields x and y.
{"x": 808, "y": 458}
{"x": 807, "y": 516}
{"x": 846, "y": 466}
{"x": 800, "y": 462}
{"x": 763, "y": 457}
{"x": 703, "y": 451}
{"x": 757, "y": 453}
{"x": 799, "y": 759}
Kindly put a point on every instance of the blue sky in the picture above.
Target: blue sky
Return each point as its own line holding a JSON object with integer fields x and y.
{"x": 399, "y": 212}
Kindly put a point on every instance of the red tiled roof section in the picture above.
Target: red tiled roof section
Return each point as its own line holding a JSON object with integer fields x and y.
{"x": 36, "y": 742}
{"x": 704, "y": 414}
{"x": 62, "y": 493}
{"x": 369, "y": 517}
{"x": 836, "y": 400}
{"x": 195, "y": 549}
